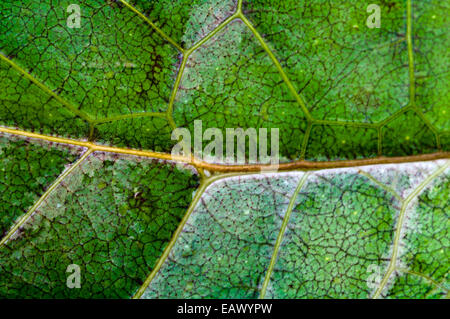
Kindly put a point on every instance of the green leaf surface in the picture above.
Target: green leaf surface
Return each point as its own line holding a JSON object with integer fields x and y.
{"x": 27, "y": 170}
{"x": 325, "y": 234}
{"x": 432, "y": 60}
{"x": 242, "y": 88}
{"x": 186, "y": 21}
{"x": 344, "y": 70}
{"x": 423, "y": 270}
{"x": 28, "y": 106}
{"x": 115, "y": 64}
{"x": 87, "y": 179}
{"x": 217, "y": 237}
{"x": 135, "y": 70}
{"x": 111, "y": 216}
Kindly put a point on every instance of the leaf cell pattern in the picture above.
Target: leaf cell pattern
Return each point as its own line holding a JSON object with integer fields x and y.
{"x": 343, "y": 224}
{"x": 186, "y": 21}
{"x": 111, "y": 216}
{"x": 27, "y": 106}
{"x": 78, "y": 104}
{"x": 339, "y": 227}
{"x": 422, "y": 270}
{"x": 114, "y": 64}
{"x": 27, "y": 170}
{"x": 213, "y": 240}
{"x": 432, "y": 66}
{"x": 136, "y": 70}
{"x": 241, "y": 89}
{"x": 344, "y": 70}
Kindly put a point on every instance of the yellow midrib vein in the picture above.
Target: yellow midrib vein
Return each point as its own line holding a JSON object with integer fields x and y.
{"x": 93, "y": 146}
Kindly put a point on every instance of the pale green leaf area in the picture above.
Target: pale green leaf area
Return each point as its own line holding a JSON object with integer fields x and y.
{"x": 340, "y": 230}
{"x": 94, "y": 205}
{"x": 111, "y": 216}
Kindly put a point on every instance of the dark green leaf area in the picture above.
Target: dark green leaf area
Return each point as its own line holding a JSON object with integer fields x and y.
{"x": 333, "y": 142}
{"x": 432, "y": 60}
{"x": 114, "y": 63}
{"x": 27, "y": 169}
{"x": 147, "y": 132}
{"x": 26, "y": 106}
{"x": 112, "y": 217}
{"x": 343, "y": 69}
{"x": 186, "y": 21}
